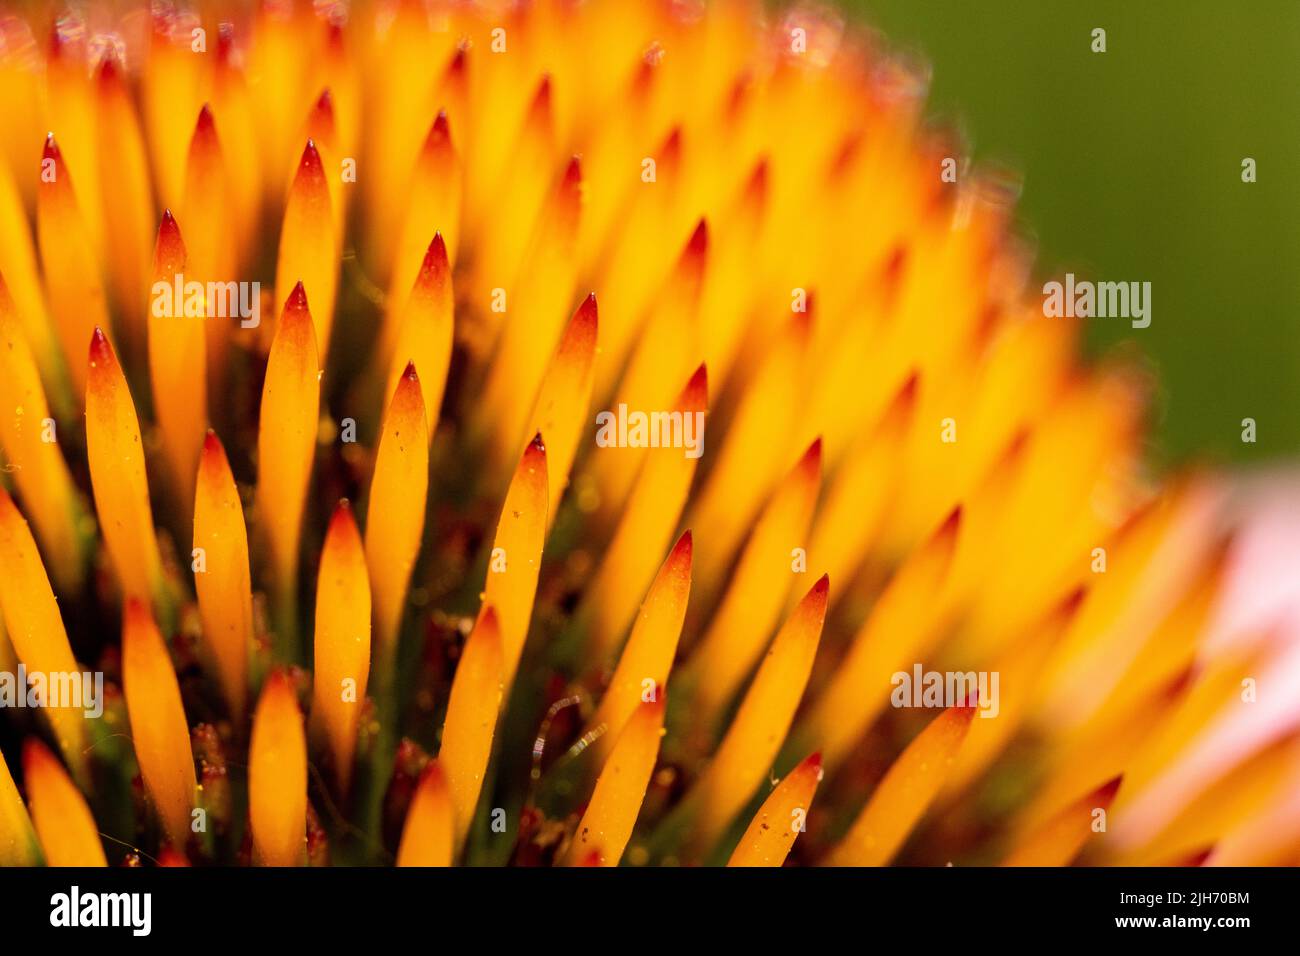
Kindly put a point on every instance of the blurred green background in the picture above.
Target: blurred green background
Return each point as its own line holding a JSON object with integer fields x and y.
{"x": 1131, "y": 164}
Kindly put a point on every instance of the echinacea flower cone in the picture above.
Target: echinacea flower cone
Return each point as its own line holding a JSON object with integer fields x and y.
{"x": 723, "y": 492}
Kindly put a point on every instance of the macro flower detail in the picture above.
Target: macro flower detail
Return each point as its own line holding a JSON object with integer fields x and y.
{"x": 552, "y": 433}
